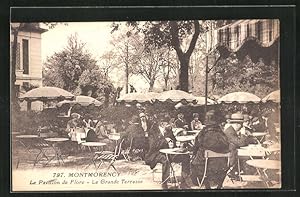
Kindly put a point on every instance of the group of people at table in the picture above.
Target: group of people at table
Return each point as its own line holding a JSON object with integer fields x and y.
{"x": 152, "y": 134}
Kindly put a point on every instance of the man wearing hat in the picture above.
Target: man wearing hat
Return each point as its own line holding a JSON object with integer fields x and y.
{"x": 135, "y": 136}
{"x": 162, "y": 137}
{"x": 210, "y": 138}
{"x": 235, "y": 140}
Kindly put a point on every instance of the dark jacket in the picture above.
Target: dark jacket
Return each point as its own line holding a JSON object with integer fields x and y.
{"x": 135, "y": 133}
{"x": 234, "y": 143}
{"x": 156, "y": 142}
{"x": 210, "y": 138}
{"x": 234, "y": 140}
{"x": 180, "y": 123}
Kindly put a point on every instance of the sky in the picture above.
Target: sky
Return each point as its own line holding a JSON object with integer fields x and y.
{"x": 97, "y": 37}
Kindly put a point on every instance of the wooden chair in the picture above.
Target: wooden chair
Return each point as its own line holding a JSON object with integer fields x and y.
{"x": 108, "y": 157}
{"x": 211, "y": 154}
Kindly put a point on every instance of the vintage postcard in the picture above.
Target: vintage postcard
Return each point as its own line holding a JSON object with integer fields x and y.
{"x": 145, "y": 105}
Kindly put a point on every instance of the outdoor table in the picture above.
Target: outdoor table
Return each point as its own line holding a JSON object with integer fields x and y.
{"x": 168, "y": 152}
{"x": 194, "y": 131}
{"x": 54, "y": 142}
{"x": 93, "y": 144}
{"x": 265, "y": 164}
{"x": 259, "y": 135}
{"x": 262, "y": 165}
{"x": 27, "y": 141}
{"x": 185, "y": 138}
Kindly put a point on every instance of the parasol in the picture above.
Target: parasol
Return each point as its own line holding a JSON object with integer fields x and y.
{"x": 175, "y": 96}
{"x": 240, "y": 97}
{"x": 273, "y": 96}
{"x": 81, "y": 100}
{"x": 139, "y": 97}
{"x": 46, "y": 93}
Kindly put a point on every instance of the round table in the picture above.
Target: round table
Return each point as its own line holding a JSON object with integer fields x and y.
{"x": 57, "y": 139}
{"x": 93, "y": 144}
{"x": 194, "y": 131}
{"x": 259, "y": 134}
{"x": 265, "y": 164}
{"x": 54, "y": 141}
{"x": 185, "y": 138}
{"x": 172, "y": 151}
{"x": 26, "y": 136}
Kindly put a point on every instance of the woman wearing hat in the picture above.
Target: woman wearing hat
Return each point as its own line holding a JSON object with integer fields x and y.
{"x": 196, "y": 124}
{"x": 210, "y": 138}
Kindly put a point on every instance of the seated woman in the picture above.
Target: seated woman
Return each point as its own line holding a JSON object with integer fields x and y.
{"x": 210, "y": 138}
{"x": 196, "y": 124}
{"x": 102, "y": 135}
{"x": 159, "y": 139}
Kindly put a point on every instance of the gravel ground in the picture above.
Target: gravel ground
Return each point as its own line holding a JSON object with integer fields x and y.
{"x": 79, "y": 176}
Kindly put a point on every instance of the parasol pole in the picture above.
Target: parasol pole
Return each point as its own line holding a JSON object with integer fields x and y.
{"x": 206, "y": 84}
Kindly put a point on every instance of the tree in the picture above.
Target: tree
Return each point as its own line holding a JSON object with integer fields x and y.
{"x": 94, "y": 83}
{"x": 172, "y": 33}
{"x": 64, "y": 68}
{"x": 233, "y": 75}
{"x": 149, "y": 64}
{"x": 126, "y": 49}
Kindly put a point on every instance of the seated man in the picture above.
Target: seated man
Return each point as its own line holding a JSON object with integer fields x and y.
{"x": 180, "y": 122}
{"x": 135, "y": 137}
{"x": 210, "y": 138}
{"x": 235, "y": 138}
{"x": 161, "y": 136}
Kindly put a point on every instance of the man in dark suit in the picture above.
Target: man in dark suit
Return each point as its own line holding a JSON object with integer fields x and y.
{"x": 210, "y": 138}
{"x": 159, "y": 138}
{"x": 180, "y": 122}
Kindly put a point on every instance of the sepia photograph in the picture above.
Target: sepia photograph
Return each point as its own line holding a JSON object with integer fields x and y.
{"x": 145, "y": 105}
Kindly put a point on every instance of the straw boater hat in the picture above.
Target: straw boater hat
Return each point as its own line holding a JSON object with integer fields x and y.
{"x": 246, "y": 117}
{"x": 75, "y": 115}
{"x": 237, "y": 118}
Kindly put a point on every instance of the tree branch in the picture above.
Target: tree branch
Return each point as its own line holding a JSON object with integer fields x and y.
{"x": 194, "y": 39}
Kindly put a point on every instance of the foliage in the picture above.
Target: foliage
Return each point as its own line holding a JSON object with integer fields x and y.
{"x": 64, "y": 68}
{"x": 233, "y": 75}
{"x": 95, "y": 84}
{"x": 74, "y": 70}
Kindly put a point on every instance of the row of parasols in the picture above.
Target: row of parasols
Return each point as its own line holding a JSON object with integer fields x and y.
{"x": 65, "y": 97}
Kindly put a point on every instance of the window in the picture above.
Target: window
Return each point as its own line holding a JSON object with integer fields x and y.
{"x": 227, "y": 36}
{"x": 270, "y": 30}
{"x": 258, "y": 30}
{"x": 25, "y": 54}
{"x": 220, "y": 40}
{"x": 248, "y": 30}
{"x": 237, "y": 32}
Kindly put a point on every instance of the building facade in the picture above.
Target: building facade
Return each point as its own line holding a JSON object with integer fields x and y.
{"x": 28, "y": 59}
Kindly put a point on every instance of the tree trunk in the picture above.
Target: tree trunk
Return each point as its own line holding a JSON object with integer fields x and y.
{"x": 184, "y": 58}
{"x": 184, "y": 74}
{"x": 151, "y": 86}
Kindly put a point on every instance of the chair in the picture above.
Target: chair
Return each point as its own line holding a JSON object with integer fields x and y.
{"x": 108, "y": 157}
{"x": 249, "y": 153}
{"x": 211, "y": 154}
